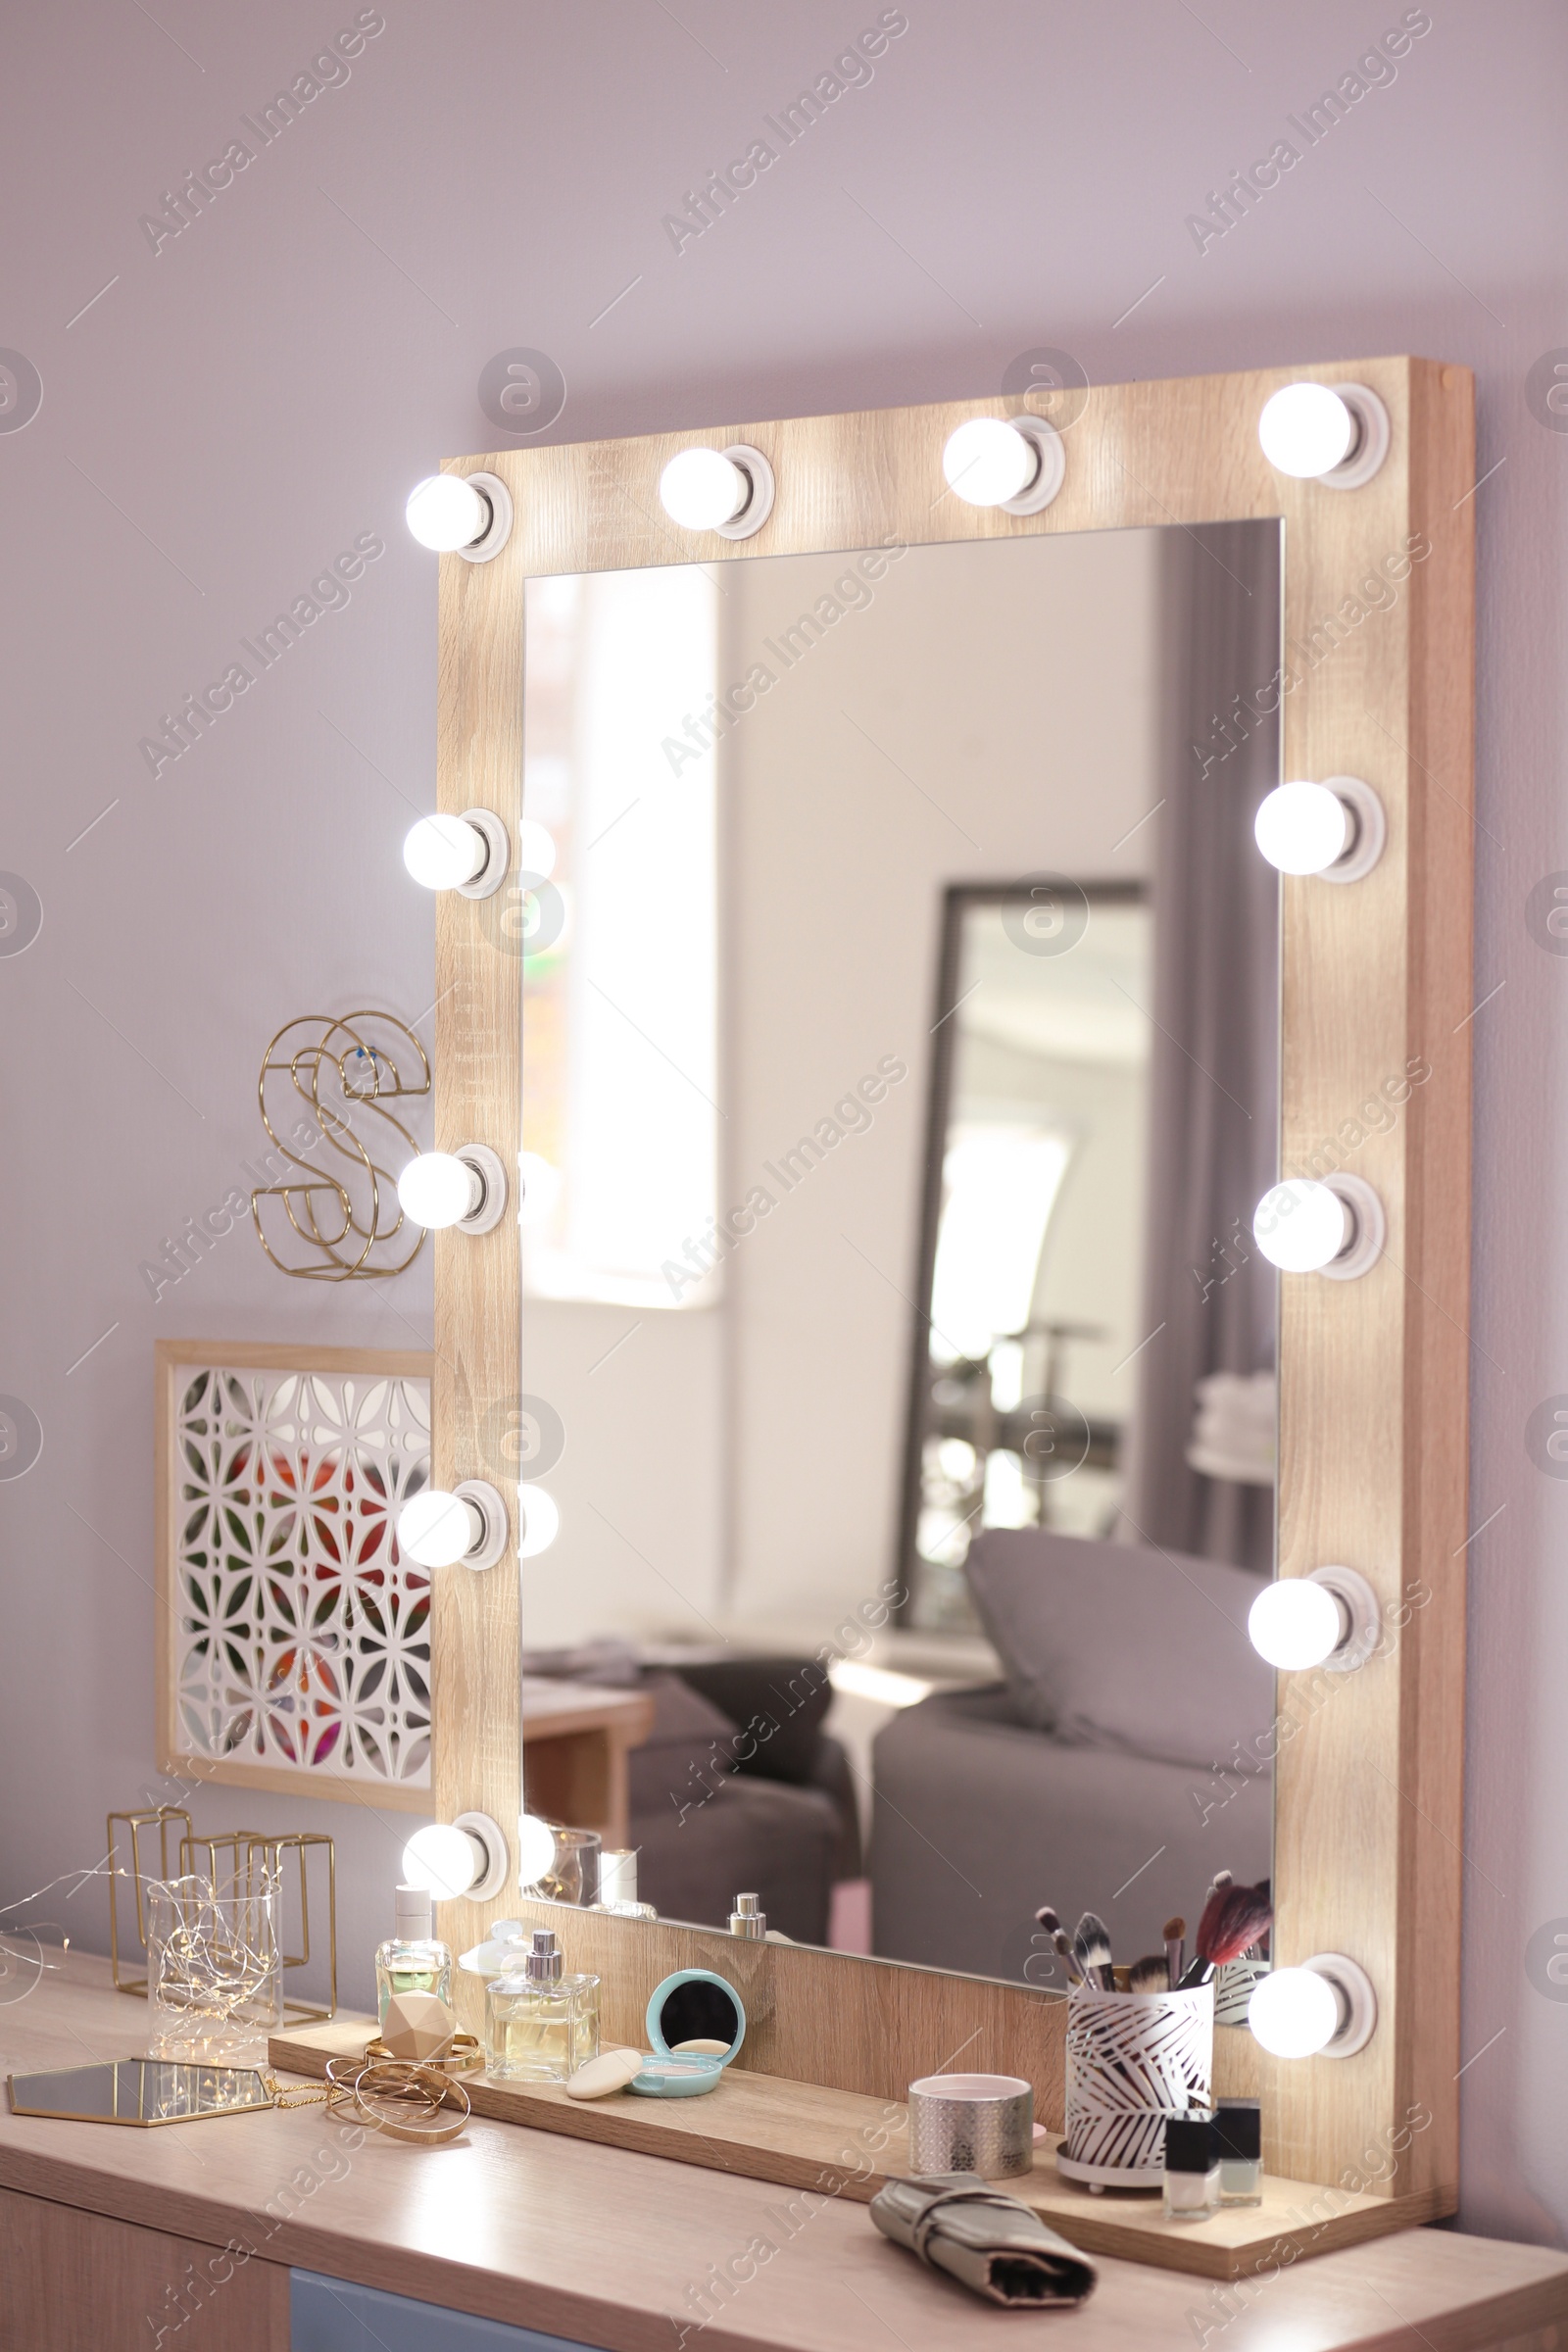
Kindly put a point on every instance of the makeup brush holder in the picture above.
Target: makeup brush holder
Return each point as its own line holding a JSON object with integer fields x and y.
{"x": 1134, "y": 2060}
{"x": 1234, "y": 1987}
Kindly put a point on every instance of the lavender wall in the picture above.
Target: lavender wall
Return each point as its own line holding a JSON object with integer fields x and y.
{"x": 241, "y": 404}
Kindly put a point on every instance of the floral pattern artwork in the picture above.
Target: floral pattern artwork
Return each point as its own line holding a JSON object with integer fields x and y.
{"x": 302, "y": 1637}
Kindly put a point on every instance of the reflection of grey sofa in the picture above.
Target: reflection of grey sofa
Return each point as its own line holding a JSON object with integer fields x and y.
{"x": 716, "y": 1809}
{"x": 1090, "y": 1779}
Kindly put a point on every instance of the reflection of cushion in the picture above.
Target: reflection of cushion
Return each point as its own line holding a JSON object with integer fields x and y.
{"x": 1109, "y": 1645}
{"x": 688, "y": 1749}
{"x": 777, "y": 1704}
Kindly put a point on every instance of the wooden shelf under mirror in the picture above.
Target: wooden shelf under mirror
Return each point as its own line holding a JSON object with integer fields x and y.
{"x": 839, "y": 2143}
{"x": 1376, "y": 621}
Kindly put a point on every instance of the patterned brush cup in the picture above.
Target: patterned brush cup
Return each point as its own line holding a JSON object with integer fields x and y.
{"x": 1134, "y": 2060}
{"x": 981, "y": 2124}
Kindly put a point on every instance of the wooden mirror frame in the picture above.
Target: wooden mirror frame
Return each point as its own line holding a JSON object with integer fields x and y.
{"x": 1376, "y": 982}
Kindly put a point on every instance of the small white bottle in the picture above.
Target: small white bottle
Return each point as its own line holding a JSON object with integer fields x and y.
{"x": 1192, "y": 2167}
{"x": 617, "y": 1884}
{"x": 413, "y": 1959}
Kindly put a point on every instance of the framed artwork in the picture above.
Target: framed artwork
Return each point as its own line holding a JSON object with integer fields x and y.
{"x": 294, "y": 1640}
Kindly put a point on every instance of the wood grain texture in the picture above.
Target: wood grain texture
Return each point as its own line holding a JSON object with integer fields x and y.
{"x": 171, "y": 1359}
{"x": 475, "y": 1641}
{"x": 609, "y": 2247}
{"x": 840, "y": 2144}
{"x": 1375, "y": 978}
{"x": 70, "y": 2279}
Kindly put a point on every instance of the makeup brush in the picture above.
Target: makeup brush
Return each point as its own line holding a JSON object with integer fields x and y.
{"x": 1093, "y": 1945}
{"x": 1068, "y": 1957}
{"x": 1175, "y": 1935}
{"x": 1233, "y": 1918}
{"x": 1061, "y": 1941}
{"x": 1150, "y": 1976}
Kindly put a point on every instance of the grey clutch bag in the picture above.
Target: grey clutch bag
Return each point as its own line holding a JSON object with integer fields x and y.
{"x": 984, "y": 2238}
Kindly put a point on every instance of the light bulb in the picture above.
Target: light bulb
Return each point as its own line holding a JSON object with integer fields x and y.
{"x": 1301, "y": 1226}
{"x": 438, "y": 1189}
{"x": 437, "y": 1529}
{"x": 446, "y": 1862}
{"x": 536, "y": 1848}
{"x": 541, "y": 1188}
{"x": 703, "y": 488}
{"x": 442, "y": 852}
{"x": 541, "y": 1521}
{"x": 1295, "y": 1623}
{"x": 988, "y": 461}
{"x": 536, "y": 848}
{"x": 1294, "y": 2012}
{"x": 1306, "y": 431}
{"x": 445, "y": 513}
{"x": 1304, "y": 828}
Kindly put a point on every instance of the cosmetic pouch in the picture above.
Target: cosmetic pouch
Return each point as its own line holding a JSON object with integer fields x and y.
{"x": 984, "y": 2238}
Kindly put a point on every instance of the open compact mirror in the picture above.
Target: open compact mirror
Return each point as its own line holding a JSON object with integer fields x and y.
{"x": 696, "y": 2025}
{"x": 138, "y": 2091}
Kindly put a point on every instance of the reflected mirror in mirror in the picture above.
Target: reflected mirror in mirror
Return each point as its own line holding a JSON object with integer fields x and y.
{"x": 138, "y": 2091}
{"x": 899, "y": 1076}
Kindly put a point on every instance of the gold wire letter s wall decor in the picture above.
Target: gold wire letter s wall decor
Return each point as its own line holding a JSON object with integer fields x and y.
{"x": 343, "y": 1073}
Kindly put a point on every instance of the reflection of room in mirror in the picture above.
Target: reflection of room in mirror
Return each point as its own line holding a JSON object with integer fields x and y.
{"x": 1038, "y": 1149}
{"x": 900, "y": 1023}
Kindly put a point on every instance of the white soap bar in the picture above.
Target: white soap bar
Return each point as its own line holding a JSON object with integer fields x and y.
{"x": 610, "y": 2071}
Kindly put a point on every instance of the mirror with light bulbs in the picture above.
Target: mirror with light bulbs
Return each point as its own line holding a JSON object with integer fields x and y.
{"x": 814, "y": 719}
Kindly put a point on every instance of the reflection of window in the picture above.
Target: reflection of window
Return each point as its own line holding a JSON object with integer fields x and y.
{"x": 1000, "y": 1186}
{"x": 619, "y": 1009}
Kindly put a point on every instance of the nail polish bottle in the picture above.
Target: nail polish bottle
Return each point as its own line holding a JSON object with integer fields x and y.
{"x": 1239, "y": 2129}
{"x": 412, "y": 1959}
{"x": 1192, "y": 2167}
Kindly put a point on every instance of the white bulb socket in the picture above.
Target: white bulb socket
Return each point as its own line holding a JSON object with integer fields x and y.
{"x": 468, "y": 1525}
{"x": 1336, "y": 1227}
{"x": 730, "y": 491}
{"x": 540, "y": 1521}
{"x": 1329, "y": 1618}
{"x": 536, "y": 1849}
{"x": 1335, "y": 434}
{"x": 1327, "y": 2008}
{"x": 465, "y": 1187}
{"x": 469, "y": 854}
{"x": 461, "y": 514}
{"x": 1336, "y": 830}
{"x": 465, "y": 1857}
{"x": 1014, "y": 463}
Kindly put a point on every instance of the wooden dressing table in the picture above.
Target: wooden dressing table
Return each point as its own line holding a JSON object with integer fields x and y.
{"x": 101, "y": 2229}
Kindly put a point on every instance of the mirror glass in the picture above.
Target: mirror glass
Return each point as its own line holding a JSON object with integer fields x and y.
{"x": 899, "y": 1076}
{"x": 138, "y": 2091}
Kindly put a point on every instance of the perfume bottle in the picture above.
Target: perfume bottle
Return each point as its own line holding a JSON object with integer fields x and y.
{"x": 1238, "y": 2128}
{"x": 541, "y": 2025}
{"x": 412, "y": 1959}
{"x": 1192, "y": 2167}
{"x": 617, "y": 1884}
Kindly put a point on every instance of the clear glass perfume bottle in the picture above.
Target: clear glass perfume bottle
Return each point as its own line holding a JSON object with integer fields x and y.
{"x": 540, "y": 2024}
{"x": 412, "y": 1959}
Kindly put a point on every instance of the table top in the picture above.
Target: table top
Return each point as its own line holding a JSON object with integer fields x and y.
{"x": 550, "y": 1708}
{"x": 627, "y": 2251}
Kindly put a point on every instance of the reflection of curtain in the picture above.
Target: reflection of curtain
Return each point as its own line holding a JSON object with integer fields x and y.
{"x": 1215, "y": 1068}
